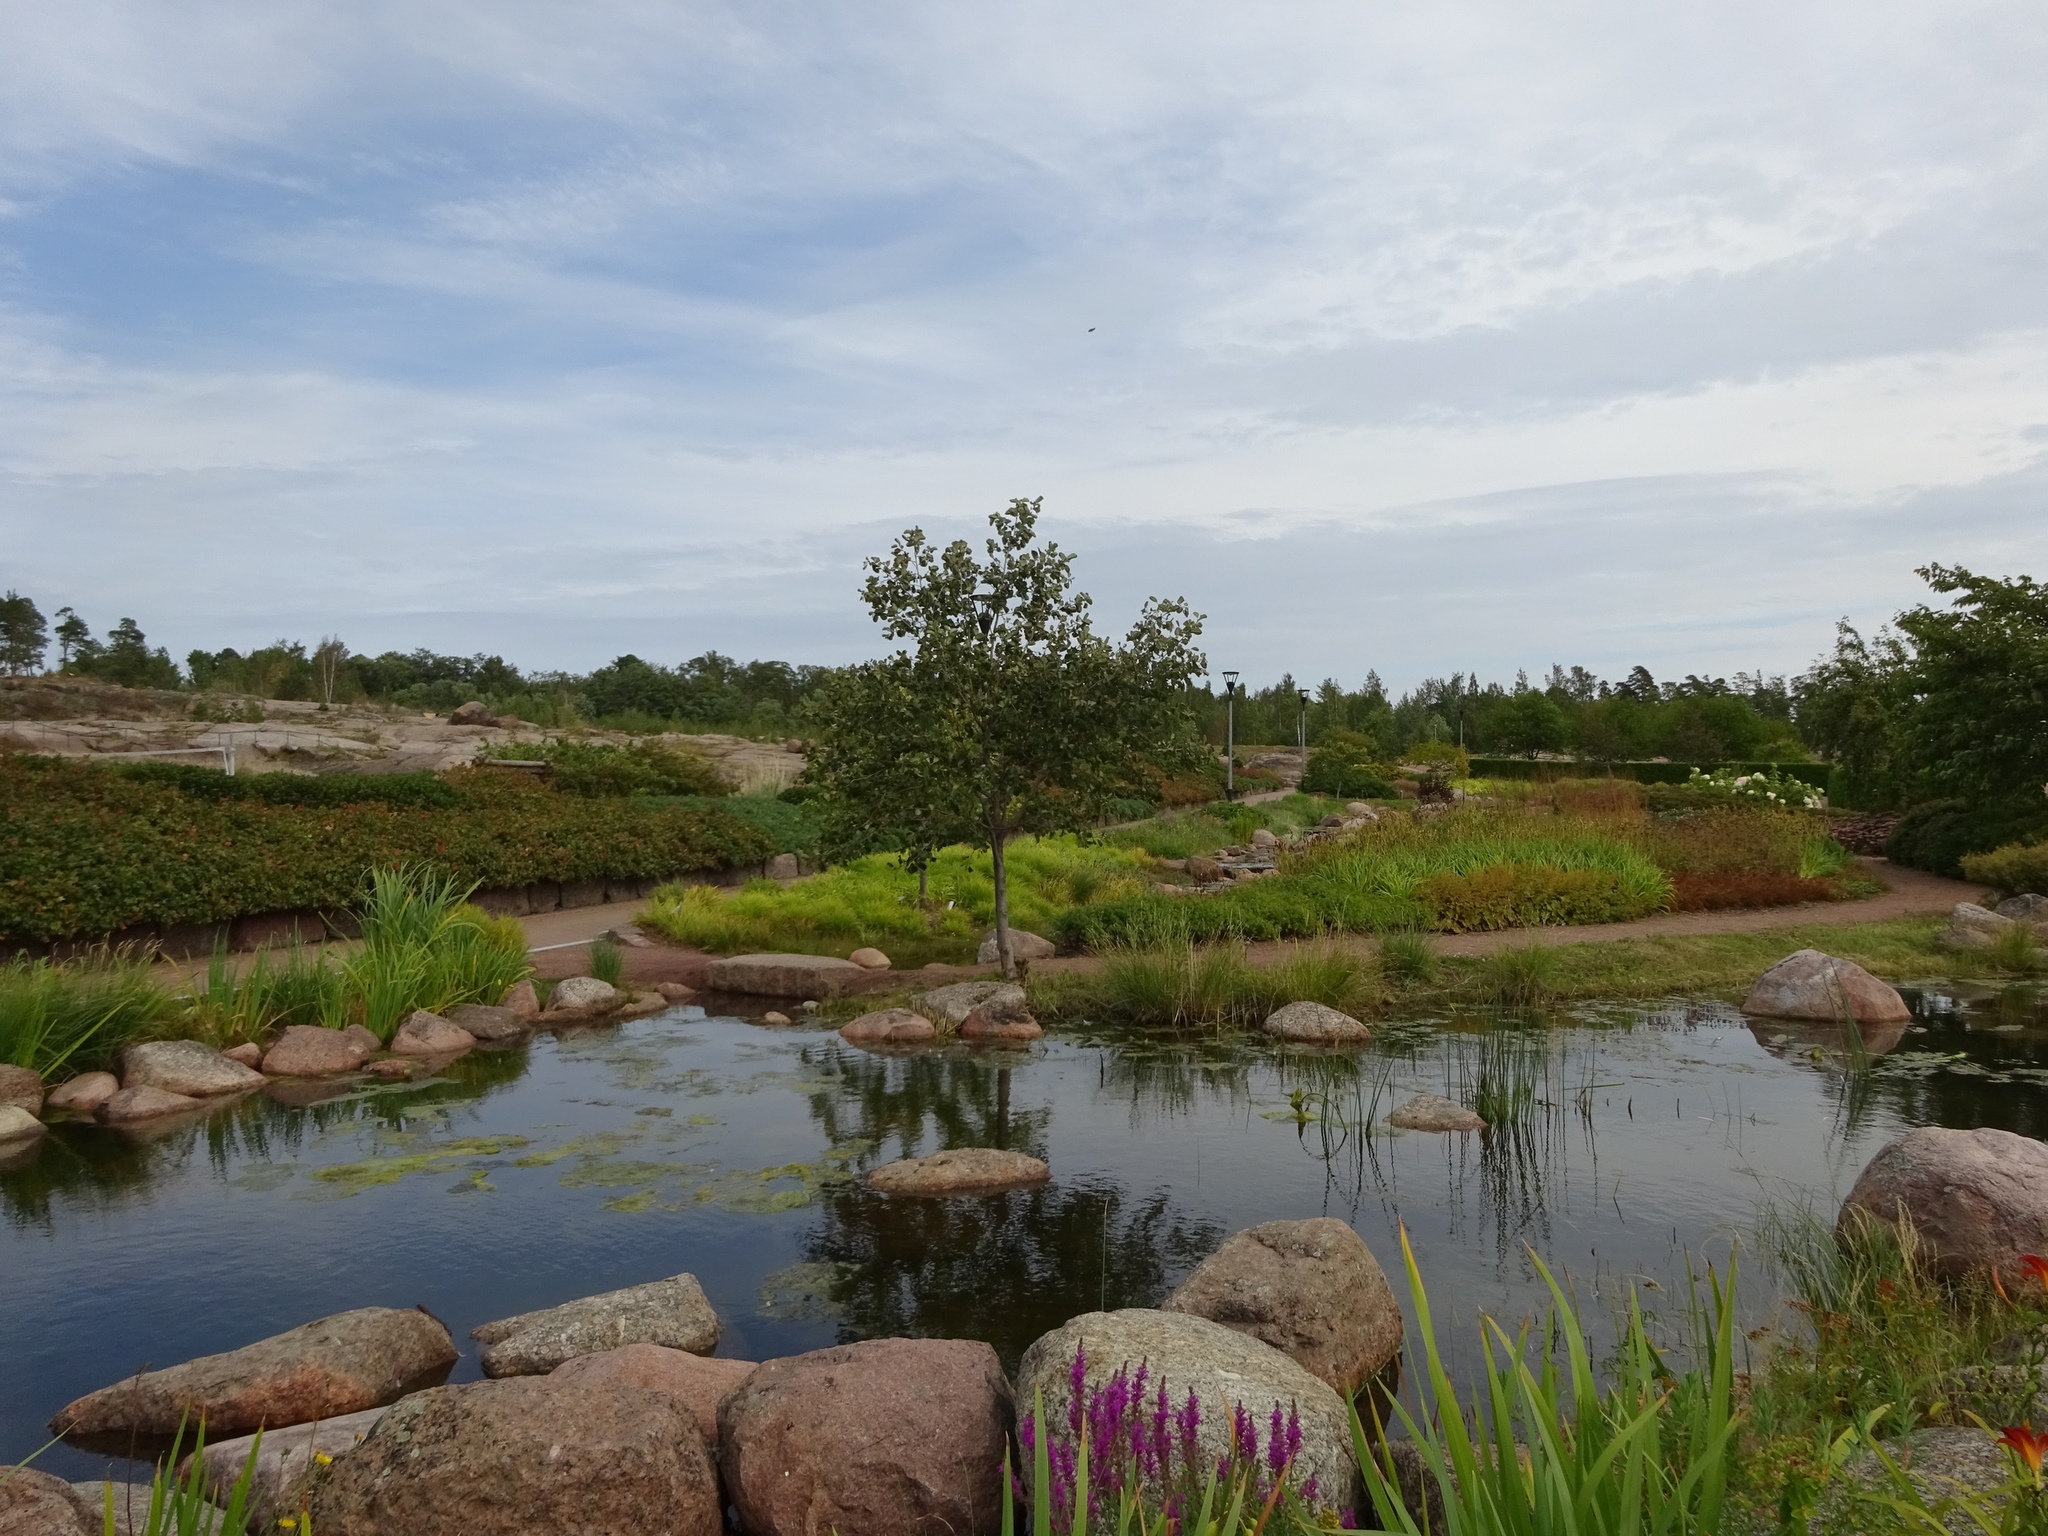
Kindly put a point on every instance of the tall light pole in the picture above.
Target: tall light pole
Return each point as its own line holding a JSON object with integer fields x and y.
{"x": 1301, "y": 731}
{"x": 1230, "y": 735}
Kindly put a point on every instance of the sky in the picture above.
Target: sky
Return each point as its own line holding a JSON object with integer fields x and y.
{"x": 1416, "y": 337}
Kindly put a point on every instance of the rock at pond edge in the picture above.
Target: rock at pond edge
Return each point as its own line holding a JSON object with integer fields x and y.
{"x": 959, "y": 1171}
{"x": 673, "y": 1313}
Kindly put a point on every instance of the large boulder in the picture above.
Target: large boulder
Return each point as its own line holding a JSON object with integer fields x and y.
{"x": 83, "y": 1094}
{"x": 1002, "y": 1020}
{"x": 525, "y": 1458}
{"x": 1024, "y": 945}
{"x": 950, "y": 1006}
{"x": 309, "y": 1050}
{"x": 1978, "y": 1199}
{"x": 782, "y": 975}
{"x": 891, "y": 1437}
{"x": 184, "y": 1066}
{"x": 1972, "y": 927}
{"x": 697, "y": 1383}
{"x": 22, "y": 1088}
{"x": 673, "y": 1313}
{"x": 18, "y": 1125}
{"x": 34, "y": 1503}
{"x": 585, "y": 992}
{"x": 2029, "y": 908}
{"x": 285, "y": 1461}
{"x": 475, "y": 712}
{"x": 889, "y": 1026}
{"x": 320, "y": 1370}
{"x": 145, "y": 1103}
{"x": 1315, "y": 1024}
{"x": 428, "y": 1034}
{"x": 1311, "y": 1289}
{"x": 131, "y": 1508}
{"x": 1223, "y": 1368}
{"x": 486, "y": 1023}
{"x": 1810, "y": 985}
{"x": 959, "y": 1171}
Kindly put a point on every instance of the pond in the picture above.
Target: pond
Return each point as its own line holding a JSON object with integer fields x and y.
{"x": 1634, "y": 1137}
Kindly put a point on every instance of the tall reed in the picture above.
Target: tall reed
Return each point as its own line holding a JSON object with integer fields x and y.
{"x": 70, "y": 1015}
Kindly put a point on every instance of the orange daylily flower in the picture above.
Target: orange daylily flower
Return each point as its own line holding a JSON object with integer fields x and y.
{"x": 2030, "y": 1445}
{"x": 2036, "y": 1266}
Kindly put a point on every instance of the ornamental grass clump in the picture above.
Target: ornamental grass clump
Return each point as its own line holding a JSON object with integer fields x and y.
{"x": 73, "y": 1015}
{"x": 1128, "y": 1455}
{"x": 1177, "y": 984}
{"x": 425, "y": 947}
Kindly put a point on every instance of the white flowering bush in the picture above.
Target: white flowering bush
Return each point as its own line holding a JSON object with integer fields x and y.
{"x": 1773, "y": 788}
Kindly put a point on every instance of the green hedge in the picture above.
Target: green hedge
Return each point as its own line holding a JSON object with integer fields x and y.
{"x": 1815, "y": 774}
{"x": 85, "y": 851}
{"x": 2018, "y": 869}
{"x": 197, "y": 783}
{"x": 1939, "y": 834}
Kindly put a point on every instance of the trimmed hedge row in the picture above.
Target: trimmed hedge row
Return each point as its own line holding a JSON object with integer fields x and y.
{"x": 86, "y": 852}
{"x": 197, "y": 783}
{"x": 1938, "y": 835}
{"x": 1815, "y": 774}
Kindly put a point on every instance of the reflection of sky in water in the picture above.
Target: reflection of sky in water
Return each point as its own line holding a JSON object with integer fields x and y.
{"x": 684, "y": 1143}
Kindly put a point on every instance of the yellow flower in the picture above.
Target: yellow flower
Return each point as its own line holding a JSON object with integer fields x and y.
{"x": 289, "y": 1523}
{"x": 323, "y": 1458}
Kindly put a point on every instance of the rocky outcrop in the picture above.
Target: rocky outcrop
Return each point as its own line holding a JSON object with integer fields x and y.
{"x": 673, "y": 1313}
{"x": 1434, "y": 1112}
{"x": 308, "y": 1050}
{"x": 428, "y": 1034}
{"x": 960, "y": 1171}
{"x": 83, "y": 1094}
{"x": 320, "y": 1370}
{"x": 889, "y": 1026}
{"x": 1311, "y": 1289}
{"x": 1024, "y": 945}
{"x": 485, "y": 1024}
{"x": 131, "y": 1105}
{"x": 585, "y": 992}
{"x": 1002, "y": 1020}
{"x": 1315, "y": 1024}
{"x": 891, "y": 1437}
{"x": 1225, "y": 1369}
{"x": 869, "y": 958}
{"x": 949, "y": 1006}
{"x": 1810, "y": 985}
{"x": 1978, "y": 1199}
{"x": 21, "y": 1088}
{"x": 782, "y": 975}
{"x": 696, "y": 1383}
{"x": 524, "y": 1458}
{"x": 285, "y": 1461}
{"x": 185, "y": 1067}
{"x": 33, "y": 1503}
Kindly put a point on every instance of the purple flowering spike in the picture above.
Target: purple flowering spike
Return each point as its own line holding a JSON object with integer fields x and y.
{"x": 1293, "y": 1431}
{"x": 1347, "y": 1518}
{"x": 1308, "y": 1492}
{"x": 1276, "y": 1443}
{"x": 1077, "y": 1380}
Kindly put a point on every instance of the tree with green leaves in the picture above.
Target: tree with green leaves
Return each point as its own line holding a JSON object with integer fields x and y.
{"x": 1003, "y": 712}
{"x": 24, "y": 637}
{"x": 74, "y": 637}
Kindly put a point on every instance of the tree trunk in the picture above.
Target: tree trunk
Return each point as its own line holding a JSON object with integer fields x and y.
{"x": 924, "y": 894}
{"x": 1009, "y": 962}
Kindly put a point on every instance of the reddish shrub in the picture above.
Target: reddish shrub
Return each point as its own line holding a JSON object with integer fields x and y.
{"x": 1748, "y": 888}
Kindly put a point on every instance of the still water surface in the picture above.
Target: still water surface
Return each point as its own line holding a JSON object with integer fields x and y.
{"x": 592, "y": 1160}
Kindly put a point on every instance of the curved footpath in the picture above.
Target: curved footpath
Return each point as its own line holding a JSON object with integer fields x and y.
{"x": 558, "y": 938}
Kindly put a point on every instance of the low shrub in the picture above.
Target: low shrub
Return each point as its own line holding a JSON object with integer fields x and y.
{"x": 86, "y": 852}
{"x": 1749, "y": 888}
{"x": 598, "y": 768}
{"x": 2017, "y": 869}
{"x": 1523, "y": 896}
{"x": 413, "y": 790}
{"x": 790, "y": 826}
{"x": 1347, "y": 764}
{"x": 1746, "y": 840}
{"x": 1937, "y": 835}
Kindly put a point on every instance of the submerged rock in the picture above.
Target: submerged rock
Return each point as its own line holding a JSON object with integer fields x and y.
{"x": 693, "y": 1381}
{"x": 891, "y": 1437}
{"x": 673, "y": 1313}
{"x": 1978, "y": 1199}
{"x": 1311, "y": 1289}
{"x": 83, "y": 1094}
{"x": 21, "y": 1088}
{"x": 1024, "y": 945}
{"x": 960, "y": 1171}
{"x": 524, "y": 1458}
{"x": 487, "y": 1024}
{"x": 285, "y": 1461}
{"x": 1810, "y": 985}
{"x": 949, "y": 1006}
{"x": 319, "y": 1370}
{"x": 780, "y": 975}
{"x": 428, "y": 1034}
{"x": 889, "y": 1026}
{"x": 1225, "y": 1369}
{"x": 1315, "y": 1024}
{"x": 308, "y": 1050}
{"x": 1434, "y": 1112}
{"x": 136, "y": 1104}
{"x": 186, "y": 1067}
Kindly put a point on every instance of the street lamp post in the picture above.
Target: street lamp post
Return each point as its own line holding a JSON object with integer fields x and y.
{"x": 1301, "y": 731}
{"x": 1230, "y": 735}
